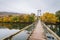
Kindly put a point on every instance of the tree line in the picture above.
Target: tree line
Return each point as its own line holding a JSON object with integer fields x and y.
{"x": 20, "y": 18}
{"x": 51, "y": 18}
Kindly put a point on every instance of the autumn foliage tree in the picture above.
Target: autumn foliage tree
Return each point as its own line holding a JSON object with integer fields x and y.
{"x": 49, "y": 18}
{"x": 19, "y": 18}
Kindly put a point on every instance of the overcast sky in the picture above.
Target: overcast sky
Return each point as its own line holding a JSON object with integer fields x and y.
{"x": 28, "y": 6}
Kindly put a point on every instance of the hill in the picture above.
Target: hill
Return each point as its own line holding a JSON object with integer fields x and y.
{"x": 9, "y": 13}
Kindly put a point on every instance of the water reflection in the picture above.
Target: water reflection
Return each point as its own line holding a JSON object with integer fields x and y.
{"x": 13, "y": 25}
{"x": 7, "y": 29}
{"x": 21, "y": 36}
{"x": 5, "y": 32}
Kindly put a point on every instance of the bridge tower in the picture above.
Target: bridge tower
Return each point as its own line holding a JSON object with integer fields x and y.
{"x": 38, "y": 14}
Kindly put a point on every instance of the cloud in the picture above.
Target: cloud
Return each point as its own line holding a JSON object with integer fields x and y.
{"x": 29, "y": 5}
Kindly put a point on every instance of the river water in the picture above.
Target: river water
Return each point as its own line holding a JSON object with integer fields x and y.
{"x": 5, "y": 32}
{"x": 8, "y": 29}
{"x": 21, "y": 36}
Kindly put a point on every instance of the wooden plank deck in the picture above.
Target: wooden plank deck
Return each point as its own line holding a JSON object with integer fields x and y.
{"x": 38, "y": 33}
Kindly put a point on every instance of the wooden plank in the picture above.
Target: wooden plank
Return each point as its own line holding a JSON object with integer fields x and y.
{"x": 38, "y": 33}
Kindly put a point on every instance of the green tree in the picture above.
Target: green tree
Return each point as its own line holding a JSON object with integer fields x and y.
{"x": 32, "y": 17}
{"x": 15, "y": 19}
{"x": 58, "y": 15}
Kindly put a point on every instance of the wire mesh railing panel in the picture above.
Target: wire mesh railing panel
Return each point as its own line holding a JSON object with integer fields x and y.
{"x": 49, "y": 33}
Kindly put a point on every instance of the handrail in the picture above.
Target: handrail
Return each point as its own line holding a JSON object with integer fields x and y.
{"x": 9, "y": 37}
{"x": 49, "y": 30}
{"x": 38, "y": 37}
{"x": 31, "y": 33}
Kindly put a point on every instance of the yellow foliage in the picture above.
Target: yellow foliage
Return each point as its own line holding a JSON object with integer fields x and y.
{"x": 26, "y": 18}
{"x": 20, "y": 18}
{"x": 49, "y": 18}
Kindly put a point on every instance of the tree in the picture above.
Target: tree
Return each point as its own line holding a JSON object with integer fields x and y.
{"x": 58, "y": 15}
{"x": 1, "y": 19}
{"x": 21, "y": 18}
{"x": 5, "y": 19}
{"x": 26, "y": 18}
{"x": 49, "y": 18}
{"x": 32, "y": 17}
{"x": 15, "y": 19}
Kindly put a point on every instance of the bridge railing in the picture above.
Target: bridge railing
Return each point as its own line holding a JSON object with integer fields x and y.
{"x": 37, "y": 34}
{"x": 25, "y": 28}
{"x": 48, "y": 30}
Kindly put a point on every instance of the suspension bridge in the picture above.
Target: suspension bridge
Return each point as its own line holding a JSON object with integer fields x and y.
{"x": 37, "y": 31}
